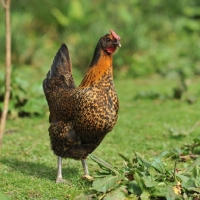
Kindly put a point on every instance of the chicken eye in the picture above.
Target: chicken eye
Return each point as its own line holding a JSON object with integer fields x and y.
{"x": 108, "y": 39}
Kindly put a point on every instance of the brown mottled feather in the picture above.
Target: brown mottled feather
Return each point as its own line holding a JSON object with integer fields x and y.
{"x": 80, "y": 117}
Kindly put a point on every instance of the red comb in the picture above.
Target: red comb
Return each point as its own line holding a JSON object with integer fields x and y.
{"x": 117, "y": 37}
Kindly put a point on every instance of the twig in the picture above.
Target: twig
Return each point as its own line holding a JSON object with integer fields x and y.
{"x": 6, "y": 6}
{"x": 174, "y": 172}
{"x": 3, "y": 4}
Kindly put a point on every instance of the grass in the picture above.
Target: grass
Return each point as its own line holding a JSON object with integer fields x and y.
{"x": 28, "y": 166}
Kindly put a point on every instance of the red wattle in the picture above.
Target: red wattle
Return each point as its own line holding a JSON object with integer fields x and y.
{"x": 111, "y": 49}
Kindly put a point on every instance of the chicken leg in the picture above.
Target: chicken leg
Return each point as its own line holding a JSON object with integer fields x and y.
{"x": 59, "y": 178}
{"x": 86, "y": 175}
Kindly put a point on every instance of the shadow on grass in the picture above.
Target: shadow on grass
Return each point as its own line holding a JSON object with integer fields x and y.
{"x": 38, "y": 170}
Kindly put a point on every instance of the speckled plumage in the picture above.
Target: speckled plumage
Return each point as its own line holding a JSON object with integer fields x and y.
{"x": 80, "y": 117}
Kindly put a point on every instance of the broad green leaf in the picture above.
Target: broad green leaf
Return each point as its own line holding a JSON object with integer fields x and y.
{"x": 105, "y": 184}
{"x": 158, "y": 165}
{"x": 134, "y": 188}
{"x": 33, "y": 106}
{"x": 152, "y": 171}
{"x": 142, "y": 161}
{"x": 102, "y": 173}
{"x": 165, "y": 154}
{"x": 145, "y": 195}
{"x": 83, "y": 196}
{"x": 160, "y": 190}
{"x": 161, "y": 184}
{"x": 170, "y": 195}
{"x": 132, "y": 197}
{"x": 119, "y": 193}
{"x": 197, "y": 139}
{"x": 196, "y": 172}
{"x": 139, "y": 180}
{"x": 124, "y": 157}
{"x": 177, "y": 151}
{"x": 193, "y": 165}
{"x": 103, "y": 163}
{"x": 189, "y": 183}
{"x": 149, "y": 181}
{"x": 183, "y": 178}
{"x": 194, "y": 189}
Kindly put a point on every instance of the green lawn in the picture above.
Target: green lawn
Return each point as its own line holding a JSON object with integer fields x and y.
{"x": 28, "y": 166}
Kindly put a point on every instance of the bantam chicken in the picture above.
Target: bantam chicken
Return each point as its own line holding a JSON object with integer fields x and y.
{"x": 80, "y": 117}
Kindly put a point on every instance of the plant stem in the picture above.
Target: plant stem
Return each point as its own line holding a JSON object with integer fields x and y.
{"x": 6, "y": 6}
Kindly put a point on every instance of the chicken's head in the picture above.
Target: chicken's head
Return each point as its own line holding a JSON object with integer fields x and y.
{"x": 110, "y": 42}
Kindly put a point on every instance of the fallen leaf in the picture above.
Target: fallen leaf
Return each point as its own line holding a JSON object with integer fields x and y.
{"x": 177, "y": 188}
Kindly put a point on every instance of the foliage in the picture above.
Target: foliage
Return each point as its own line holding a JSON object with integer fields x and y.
{"x": 27, "y": 97}
{"x": 157, "y": 37}
{"x": 146, "y": 179}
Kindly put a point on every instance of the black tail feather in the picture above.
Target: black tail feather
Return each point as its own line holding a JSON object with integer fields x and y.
{"x": 60, "y": 74}
{"x": 61, "y": 63}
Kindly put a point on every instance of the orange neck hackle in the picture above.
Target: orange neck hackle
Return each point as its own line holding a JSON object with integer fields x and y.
{"x": 97, "y": 71}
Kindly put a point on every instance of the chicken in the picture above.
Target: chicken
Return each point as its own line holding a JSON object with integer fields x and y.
{"x": 80, "y": 117}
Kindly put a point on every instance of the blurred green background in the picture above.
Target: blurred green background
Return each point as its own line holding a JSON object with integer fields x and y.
{"x": 157, "y": 37}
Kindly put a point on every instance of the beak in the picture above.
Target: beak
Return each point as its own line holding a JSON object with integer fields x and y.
{"x": 118, "y": 44}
